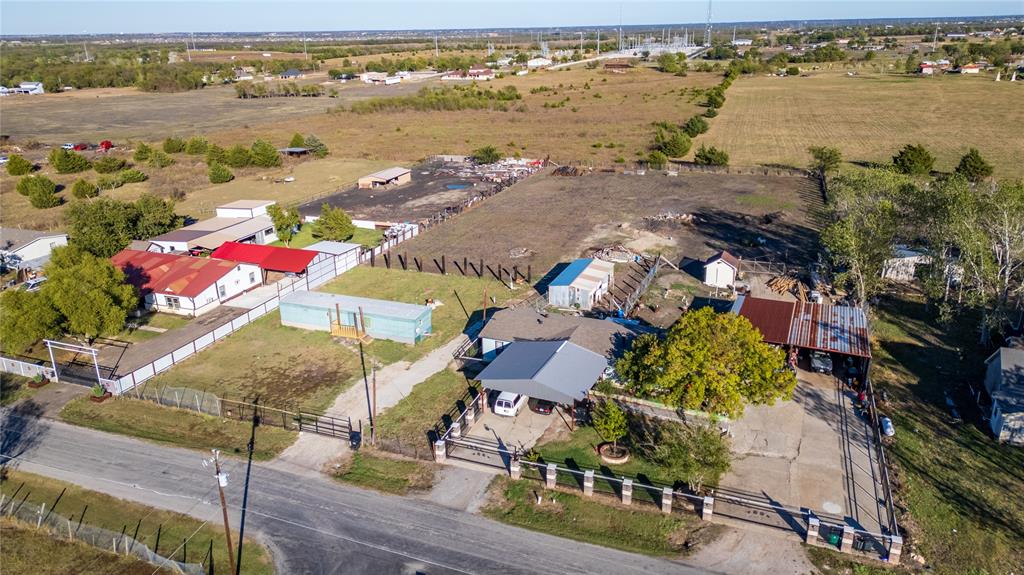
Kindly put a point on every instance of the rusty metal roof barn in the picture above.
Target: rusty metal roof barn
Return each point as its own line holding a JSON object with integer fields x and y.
{"x": 832, "y": 328}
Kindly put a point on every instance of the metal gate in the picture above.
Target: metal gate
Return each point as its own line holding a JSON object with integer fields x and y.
{"x": 480, "y": 451}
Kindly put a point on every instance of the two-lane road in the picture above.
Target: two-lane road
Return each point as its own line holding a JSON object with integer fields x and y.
{"x": 311, "y": 524}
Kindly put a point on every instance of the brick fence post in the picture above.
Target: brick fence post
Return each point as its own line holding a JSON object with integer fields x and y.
{"x": 440, "y": 451}
{"x": 707, "y": 508}
{"x": 846, "y": 545}
{"x": 550, "y": 475}
{"x": 515, "y": 469}
{"x": 627, "y": 491}
{"x": 895, "y": 549}
{"x": 588, "y": 483}
{"x": 666, "y": 500}
{"x": 813, "y": 528}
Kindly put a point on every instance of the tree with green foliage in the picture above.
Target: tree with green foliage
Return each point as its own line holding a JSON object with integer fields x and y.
{"x": 196, "y": 145}
{"x": 132, "y": 176}
{"x": 710, "y": 112}
{"x": 108, "y": 164}
{"x": 238, "y": 156}
{"x": 711, "y": 156}
{"x": 610, "y": 422}
{"x": 973, "y": 167}
{"x": 108, "y": 182}
{"x": 668, "y": 63}
{"x": 219, "y": 174}
{"x": 334, "y": 224}
{"x": 297, "y": 141}
{"x": 657, "y": 160}
{"x": 25, "y": 318}
{"x": 793, "y": 71}
{"x": 695, "y": 452}
{"x": 18, "y": 165}
{"x": 160, "y": 159}
{"x": 105, "y": 226}
{"x": 174, "y": 145}
{"x": 68, "y": 161}
{"x": 316, "y": 147}
{"x": 695, "y": 126}
{"x": 708, "y": 361}
{"x": 29, "y": 184}
{"x": 671, "y": 141}
{"x": 265, "y": 155}
{"x": 285, "y": 222}
{"x": 215, "y": 155}
{"x": 912, "y": 64}
{"x": 83, "y": 189}
{"x": 914, "y": 160}
{"x": 155, "y": 216}
{"x": 142, "y": 152}
{"x": 43, "y": 199}
{"x": 824, "y": 160}
{"x": 486, "y": 155}
{"x": 88, "y": 292}
{"x": 715, "y": 98}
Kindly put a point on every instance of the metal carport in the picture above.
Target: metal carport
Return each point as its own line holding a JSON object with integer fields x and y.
{"x": 558, "y": 371}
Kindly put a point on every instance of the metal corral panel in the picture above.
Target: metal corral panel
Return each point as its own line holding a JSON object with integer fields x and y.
{"x": 396, "y": 321}
{"x": 833, "y": 328}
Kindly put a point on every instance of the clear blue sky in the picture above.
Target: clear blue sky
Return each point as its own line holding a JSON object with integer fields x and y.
{"x": 133, "y": 16}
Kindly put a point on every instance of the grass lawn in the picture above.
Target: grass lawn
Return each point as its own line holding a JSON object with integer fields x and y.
{"x": 388, "y": 474}
{"x": 570, "y": 516}
{"x": 113, "y": 514}
{"x": 366, "y": 237}
{"x": 30, "y": 550}
{"x": 462, "y": 299}
{"x": 179, "y": 427}
{"x": 411, "y": 419}
{"x": 286, "y": 367}
{"x": 829, "y": 561}
{"x": 165, "y": 321}
{"x": 962, "y": 489}
{"x": 14, "y": 388}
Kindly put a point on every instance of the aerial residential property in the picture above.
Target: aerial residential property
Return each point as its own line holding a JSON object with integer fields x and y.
{"x": 508, "y": 287}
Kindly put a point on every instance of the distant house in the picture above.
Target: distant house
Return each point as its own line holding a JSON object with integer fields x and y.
{"x": 391, "y": 176}
{"x": 503, "y": 62}
{"x": 28, "y": 249}
{"x": 538, "y": 62}
{"x": 955, "y": 36}
{"x": 721, "y": 269}
{"x": 344, "y": 315}
{"x": 969, "y": 69}
{"x": 581, "y": 284}
{"x": 902, "y": 266}
{"x": 557, "y": 371}
{"x": 742, "y": 42}
{"x": 1004, "y": 381}
{"x": 29, "y": 88}
{"x": 373, "y": 77}
{"x": 184, "y": 285}
{"x": 480, "y": 72}
{"x": 291, "y": 73}
{"x": 242, "y": 74}
{"x": 604, "y": 337}
{"x": 454, "y": 75}
{"x": 241, "y": 221}
{"x": 926, "y": 68}
{"x": 244, "y": 209}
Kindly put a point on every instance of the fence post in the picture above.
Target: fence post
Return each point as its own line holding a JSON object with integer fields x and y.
{"x": 515, "y": 469}
{"x": 627, "y": 491}
{"x": 707, "y": 508}
{"x": 470, "y": 416}
{"x": 440, "y": 451}
{"x": 456, "y": 429}
{"x": 813, "y": 528}
{"x": 846, "y": 545}
{"x": 588, "y": 482}
{"x": 666, "y": 500}
{"x": 550, "y": 475}
{"x": 895, "y": 549}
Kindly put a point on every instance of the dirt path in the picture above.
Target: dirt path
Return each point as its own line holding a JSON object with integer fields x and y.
{"x": 752, "y": 552}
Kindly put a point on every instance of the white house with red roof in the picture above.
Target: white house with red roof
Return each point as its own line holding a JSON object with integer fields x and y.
{"x": 721, "y": 269}
{"x": 185, "y": 285}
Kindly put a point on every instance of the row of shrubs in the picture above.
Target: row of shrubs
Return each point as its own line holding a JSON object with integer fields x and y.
{"x": 42, "y": 191}
{"x": 672, "y": 141}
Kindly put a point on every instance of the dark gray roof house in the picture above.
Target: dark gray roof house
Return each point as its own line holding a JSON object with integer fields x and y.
{"x": 291, "y": 73}
{"x": 604, "y": 337}
{"x": 558, "y": 371}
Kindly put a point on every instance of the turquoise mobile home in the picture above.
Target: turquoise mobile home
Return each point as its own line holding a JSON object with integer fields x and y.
{"x": 401, "y": 322}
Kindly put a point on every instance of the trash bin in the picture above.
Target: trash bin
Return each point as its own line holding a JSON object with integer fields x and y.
{"x": 833, "y": 538}
{"x": 355, "y": 439}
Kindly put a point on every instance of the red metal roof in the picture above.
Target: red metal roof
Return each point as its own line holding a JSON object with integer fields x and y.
{"x": 727, "y": 258}
{"x": 271, "y": 258}
{"x": 771, "y": 317}
{"x": 170, "y": 274}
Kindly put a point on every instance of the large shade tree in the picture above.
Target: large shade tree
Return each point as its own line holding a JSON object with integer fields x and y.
{"x": 707, "y": 361}
{"x": 88, "y": 292}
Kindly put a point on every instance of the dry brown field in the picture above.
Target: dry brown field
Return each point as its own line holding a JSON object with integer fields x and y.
{"x": 771, "y": 120}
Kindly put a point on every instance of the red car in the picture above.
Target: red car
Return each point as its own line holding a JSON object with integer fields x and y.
{"x": 106, "y": 145}
{"x": 80, "y": 147}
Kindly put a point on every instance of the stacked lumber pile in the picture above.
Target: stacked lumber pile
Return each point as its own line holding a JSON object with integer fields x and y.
{"x": 783, "y": 284}
{"x": 569, "y": 171}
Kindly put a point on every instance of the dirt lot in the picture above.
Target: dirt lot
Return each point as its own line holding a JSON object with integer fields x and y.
{"x": 869, "y": 117}
{"x": 557, "y": 218}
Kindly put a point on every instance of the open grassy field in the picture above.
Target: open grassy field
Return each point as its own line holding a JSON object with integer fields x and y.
{"x": 869, "y": 117}
{"x": 111, "y": 513}
{"x": 29, "y": 550}
{"x": 961, "y": 488}
{"x": 386, "y": 473}
{"x": 411, "y": 419}
{"x": 573, "y": 517}
{"x": 559, "y": 218}
{"x": 183, "y": 428}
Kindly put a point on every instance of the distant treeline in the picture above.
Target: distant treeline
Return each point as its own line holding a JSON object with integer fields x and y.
{"x": 446, "y": 98}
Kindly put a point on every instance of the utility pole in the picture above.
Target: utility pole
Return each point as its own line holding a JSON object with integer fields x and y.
{"x": 304, "y": 53}
{"x": 598, "y": 41}
{"x": 707, "y": 29}
{"x": 222, "y": 481}
{"x": 581, "y": 44}
{"x": 187, "y": 53}
{"x": 436, "y": 53}
{"x": 245, "y": 492}
{"x": 86, "y": 48}
{"x": 373, "y": 428}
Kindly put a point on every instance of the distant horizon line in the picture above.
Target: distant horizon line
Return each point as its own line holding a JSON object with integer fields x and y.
{"x": 881, "y": 19}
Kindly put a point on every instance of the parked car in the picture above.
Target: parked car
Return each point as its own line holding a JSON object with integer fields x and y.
{"x": 80, "y": 147}
{"x": 68, "y": 146}
{"x": 888, "y": 429}
{"x": 509, "y": 404}
{"x": 821, "y": 362}
{"x": 33, "y": 284}
{"x": 541, "y": 406}
{"x": 106, "y": 145}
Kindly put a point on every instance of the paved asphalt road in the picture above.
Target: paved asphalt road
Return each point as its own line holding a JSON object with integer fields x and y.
{"x": 311, "y": 524}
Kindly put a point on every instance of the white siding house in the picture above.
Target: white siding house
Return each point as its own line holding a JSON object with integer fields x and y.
{"x": 721, "y": 269}
{"x": 28, "y": 248}
{"x": 581, "y": 284}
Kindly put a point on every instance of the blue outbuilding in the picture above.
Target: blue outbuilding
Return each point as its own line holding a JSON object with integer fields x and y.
{"x": 347, "y": 316}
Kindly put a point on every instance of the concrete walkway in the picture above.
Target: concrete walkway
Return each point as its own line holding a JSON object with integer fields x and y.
{"x": 394, "y": 382}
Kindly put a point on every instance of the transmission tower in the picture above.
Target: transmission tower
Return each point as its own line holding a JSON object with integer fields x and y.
{"x": 707, "y": 29}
